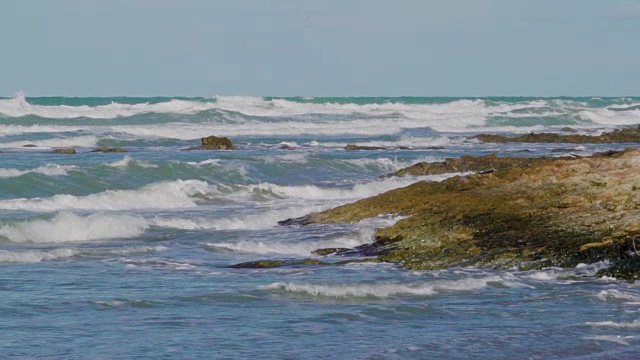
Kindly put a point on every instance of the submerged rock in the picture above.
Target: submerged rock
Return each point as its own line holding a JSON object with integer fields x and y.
{"x": 214, "y": 143}
{"x": 626, "y": 135}
{"x": 485, "y": 163}
{"x": 64, "y": 151}
{"x": 269, "y": 264}
{"x": 549, "y": 212}
{"x": 353, "y": 147}
{"x": 106, "y": 149}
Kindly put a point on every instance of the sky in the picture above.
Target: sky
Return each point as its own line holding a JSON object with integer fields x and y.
{"x": 320, "y": 48}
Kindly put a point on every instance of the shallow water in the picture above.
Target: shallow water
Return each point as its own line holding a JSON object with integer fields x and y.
{"x": 128, "y": 255}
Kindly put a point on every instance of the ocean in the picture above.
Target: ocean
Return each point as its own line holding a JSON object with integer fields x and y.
{"x": 128, "y": 255}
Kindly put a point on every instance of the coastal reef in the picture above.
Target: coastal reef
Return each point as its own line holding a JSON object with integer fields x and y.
{"x": 625, "y": 135}
{"x": 523, "y": 213}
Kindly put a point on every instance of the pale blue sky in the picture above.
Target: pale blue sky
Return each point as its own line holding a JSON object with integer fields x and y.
{"x": 320, "y": 48}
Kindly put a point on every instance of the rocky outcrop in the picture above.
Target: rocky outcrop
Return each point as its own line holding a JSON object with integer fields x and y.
{"x": 626, "y": 135}
{"x": 466, "y": 163}
{"x": 354, "y": 147}
{"x": 106, "y": 149}
{"x": 214, "y": 143}
{"x": 64, "y": 151}
{"x": 551, "y": 212}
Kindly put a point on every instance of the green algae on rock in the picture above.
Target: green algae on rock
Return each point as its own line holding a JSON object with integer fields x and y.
{"x": 625, "y": 135}
{"x": 106, "y": 149}
{"x": 551, "y": 212}
{"x": 64, "y": 151}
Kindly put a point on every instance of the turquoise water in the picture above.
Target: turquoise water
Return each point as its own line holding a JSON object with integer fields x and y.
{"x": 127, "y": 254}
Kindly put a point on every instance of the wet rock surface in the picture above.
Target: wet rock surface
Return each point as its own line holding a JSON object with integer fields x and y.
{"x": 214, "y": 143}
{"x": 625, "y": 135}
{"x": 534, "y": 214}
{"x": 106, "y": 149}
{"x": 64, "y": 151}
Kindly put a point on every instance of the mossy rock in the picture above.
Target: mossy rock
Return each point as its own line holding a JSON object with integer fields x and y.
{"x": 64, "y": 151}
{"x": 105, "y": 149}
{"x": 214, "y": 143}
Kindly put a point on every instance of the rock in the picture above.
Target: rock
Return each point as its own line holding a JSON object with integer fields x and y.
{"x": 353, "y": 147}
{"x": 269, "y": 264}
{"x": 466, "y": 163}
{"x": 303, "y": 220}
{"x": 329, "y": 251}
{"x": 106, "y": 149}
{"x": 625, "y": 135}
{"x": 547, "y": 212}
{"x": 214, "y": 143}
{"x": 29, "y": 145}
{"x": 64, "y": 151}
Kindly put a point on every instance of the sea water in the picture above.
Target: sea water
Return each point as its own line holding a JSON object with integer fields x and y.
{"x": 121, "y": 255}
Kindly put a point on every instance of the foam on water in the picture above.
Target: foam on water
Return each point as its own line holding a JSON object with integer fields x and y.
{"x": 385, "y": 290}
{"x": 128, "y": 161}
{"x": 49, "y": 170}
{"x": 635, "y": 324}
{"x": 259, "y": 221}
{"x": 35, "y": 256}
{"x": 164, "y": 195}
{"x": 68, "y": 227}
{"x": 618, "y": 296}
{"x": 18, "y": 106}
{"x": 83, "y": 141}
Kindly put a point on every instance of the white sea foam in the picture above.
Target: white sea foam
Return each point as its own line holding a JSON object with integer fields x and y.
{"x": 169, "y": 195}
{"x": 296, "y": 248}
{"x": 205, "y": 162}
{"x": 619, "y": 325}
{"x": 49, "y": 170}
{"x": 384, "y": 290}
{"x": 18, "y": 106}
{"x": 35, "y": 256}
{"x": 68, "y": 227}
{"x": 622, "y": 340}
{"x": 127, "y": 161}
{"x": 311, "y": 192}
{"x": 618, "y": 295}
{"x": 83, "y": 141}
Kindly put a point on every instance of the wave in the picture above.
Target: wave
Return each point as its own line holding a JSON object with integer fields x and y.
{"x": 385, "y": 290}
{"x": 83, "y": 141}
{"x": 618, "y": 296}
{"x": 18, "y": 106}
{"x": 299, "y": 248}
{"x": 48, "y": 170}
{"x": 68, "y": 227}
{"x": 286, "y": 117}
{"x": 35, "y": 256}
{"x": 619, "y": 325}
{"x": 164, "y": 195}
{"x": 128, "y": 161}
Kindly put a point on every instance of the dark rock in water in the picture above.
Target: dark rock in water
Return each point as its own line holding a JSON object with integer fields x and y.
{"x": 568, "y": 129}
{"x": 482, "y": 164}
{"x": 352, "y": 147}
{"x": 625, "y": 269}
{"x": 30, "y": 145}
{"x": 106, "y": 149}
{"x": 626, "y": 135}
{"x": 549, "y": 212}
{"x": 303, "y": 220}
{"x": 260, "y": 264}
{"x": 329, "y": 251}
{"x": 64, "y": 151}
{"x": 269, "y": 264}
{"x": 214, "y": 143}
